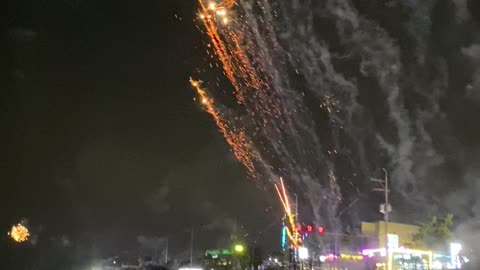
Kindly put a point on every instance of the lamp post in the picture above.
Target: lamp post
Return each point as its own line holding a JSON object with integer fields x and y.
{"x": 386, "y": 216}
{"x": 386, "y": 207}
{"x": 191, "y": 247}
{"x": 166, "y": 251}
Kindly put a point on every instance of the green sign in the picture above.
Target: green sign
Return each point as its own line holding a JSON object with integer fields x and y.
{"x": 217, "y": 252}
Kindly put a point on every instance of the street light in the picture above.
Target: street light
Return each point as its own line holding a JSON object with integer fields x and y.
{"x": 239, "y": 249}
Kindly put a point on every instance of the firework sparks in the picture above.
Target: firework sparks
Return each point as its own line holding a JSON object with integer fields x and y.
{"x": 236, "y": 140}
{"x": 268, "y": 136}
{"x": 291, "y": 229}
{"x": 19, "y": 233}
{"x": 249, "y": 85}
{"x": 252, "y": 89}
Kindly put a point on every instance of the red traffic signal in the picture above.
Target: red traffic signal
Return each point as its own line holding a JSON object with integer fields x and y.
{"x": 309, "y": 229}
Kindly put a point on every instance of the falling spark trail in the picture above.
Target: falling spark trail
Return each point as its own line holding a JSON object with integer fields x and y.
{"x": 237, "y": 141}
{"x": 272, "y": 134}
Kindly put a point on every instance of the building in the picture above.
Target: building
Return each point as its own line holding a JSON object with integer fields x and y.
{"x": 400, "y": 235}
{"x": 218, "y": 259}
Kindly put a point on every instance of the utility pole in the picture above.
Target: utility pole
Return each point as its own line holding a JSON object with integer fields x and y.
{"x": 387, "y": 204}
{"x": 296, "y": 233}
{"x": 191, "y": 248}
{"x": 386, "y": 207}
{"x": 166, "y": 251}
{"x": 234, "y": 237}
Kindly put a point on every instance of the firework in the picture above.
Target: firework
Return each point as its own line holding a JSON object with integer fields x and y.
{"x": 233, "y": 44}
{"x": 250, "y": 87}
{"x": 236, "y": 140}
{"x": 273, "y": 133}
{"x": 291, "y": 228}
{"x": 19, "y": 233}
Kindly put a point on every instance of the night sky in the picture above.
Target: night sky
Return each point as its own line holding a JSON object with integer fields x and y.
{"x": 102, "y": 142}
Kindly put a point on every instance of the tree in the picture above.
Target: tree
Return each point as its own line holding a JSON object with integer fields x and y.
{"x": 436, "y": 233}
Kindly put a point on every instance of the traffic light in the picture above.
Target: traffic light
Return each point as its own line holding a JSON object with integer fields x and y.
{"x": 309, "y": 228}
{"x": 321, "y": 230}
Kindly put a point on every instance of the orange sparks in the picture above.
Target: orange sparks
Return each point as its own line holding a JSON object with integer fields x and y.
{"x": 231, "y": 40}
{"x": 236, "y": 140}
{"x": 234, "y": 46}
{"x": 19, "y": 233}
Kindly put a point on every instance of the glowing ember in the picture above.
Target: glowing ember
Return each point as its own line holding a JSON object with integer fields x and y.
{"x": 221, "y": 12}
{"x": 211, "y": 6}
{"x": 19, "y": 233}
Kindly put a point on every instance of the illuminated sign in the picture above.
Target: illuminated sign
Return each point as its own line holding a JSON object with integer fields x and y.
{"x": 392, "y": 240}
{"x": 351, "y": 257}
{"x": 217, "y": 252}
{"x": 303, "y": 253}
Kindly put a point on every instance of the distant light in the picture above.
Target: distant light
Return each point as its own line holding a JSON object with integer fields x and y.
{"x": 225, "y": 20}
{"x": 323, "y": 258}
{"x": 455, "y": 249}
{"x": 211, "y": 5}
{"x": 204, "y": 100}
{"x": 437, "y": 265}
{"x": 202, "y": 16}
{"x": 190, "y": 268}
{"x": 284, "y": 237}
{"x": 370, "y": 252}
{"x": 239, "y": 248}
{"x": 303, "y": 253}
{"x": 351, "y": 257}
